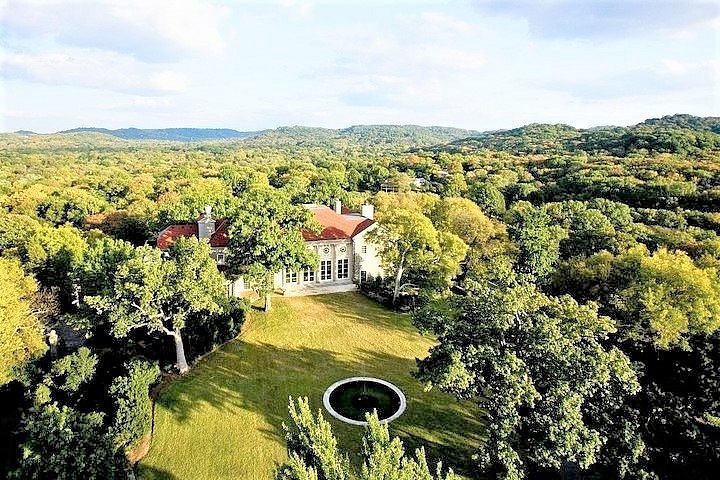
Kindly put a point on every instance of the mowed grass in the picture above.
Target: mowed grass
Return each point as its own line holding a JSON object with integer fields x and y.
{"x": 223, "y": 420}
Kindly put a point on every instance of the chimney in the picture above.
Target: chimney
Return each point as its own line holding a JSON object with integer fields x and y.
{"x": 206, "y": 224}
{"x": 338, "y": 207}
{"x": 368, "y": 211}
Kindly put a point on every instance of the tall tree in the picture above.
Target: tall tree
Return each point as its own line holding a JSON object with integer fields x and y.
{"x": 158, "y": 292}
{"x": 21, "y": 332}
{"x": 385, "y": 458}
{"x": 465, "y": 219}
{"x": 537, "y": 238}
{"x": 667, "y": 297}
{"x": 405, "y": 239}
{"x": 266, "y": 237}
{"x": 536, "y": 365}
{"x": 314, "y": 454}
{"x": 311, "y": 443}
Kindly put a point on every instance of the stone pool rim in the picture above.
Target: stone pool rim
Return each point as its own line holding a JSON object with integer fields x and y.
{"x": 337, "y": 415}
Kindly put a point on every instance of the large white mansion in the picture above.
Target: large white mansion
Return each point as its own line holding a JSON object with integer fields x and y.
{"x": 345, "y": 257}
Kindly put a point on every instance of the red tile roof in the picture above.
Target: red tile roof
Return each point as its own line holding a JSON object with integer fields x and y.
{"x": 168, "y": 236}
{"x": 173, "y": 232}
{"x": 334, "y": 227}
{"x": 220, "y": 238}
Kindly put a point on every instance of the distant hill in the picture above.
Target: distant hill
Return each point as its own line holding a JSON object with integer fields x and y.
{"x": 170, "y": 134}
{"x": 400, "y": 136}
{"x": 680, "y": 133}
{"x": 683, "y": 120}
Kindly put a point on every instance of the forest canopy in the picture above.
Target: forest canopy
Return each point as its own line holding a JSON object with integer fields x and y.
{"x": 569, "y": 275}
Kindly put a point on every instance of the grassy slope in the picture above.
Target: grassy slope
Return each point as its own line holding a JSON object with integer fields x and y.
{"x": 224, "y": 419}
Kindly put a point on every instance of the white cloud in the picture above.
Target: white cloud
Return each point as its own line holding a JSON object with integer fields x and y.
{"x": 385, "y": 54}
{"x": 94, "y": 69}
{"x": 301, "y": 8}
{"x": 157, "y": 30}
{"x": 192, "y": 25}
{"x": 706, "y": 68}
{"x": 440, "y": 22}
{"x": 168, "y": 81}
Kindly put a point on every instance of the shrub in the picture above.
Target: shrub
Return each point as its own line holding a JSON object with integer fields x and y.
{"x": 133, "y": 407}
{"x": 204, "y": 334}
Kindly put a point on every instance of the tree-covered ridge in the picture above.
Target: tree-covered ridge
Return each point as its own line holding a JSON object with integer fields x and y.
{"x": 689, "y": 122}
{"x": 682, "y": 134}
{"x": 387, "y": 136}
{"x": 171, "y": 134}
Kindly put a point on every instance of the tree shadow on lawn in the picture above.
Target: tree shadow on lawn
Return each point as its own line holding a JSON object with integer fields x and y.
{"x": 154, "y": 473}
{"x": 358, "y": 308}
{"x": 260, "y": 377}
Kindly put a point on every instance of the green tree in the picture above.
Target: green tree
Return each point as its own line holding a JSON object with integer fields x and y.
{"x": 74, "y": 370}
{"x": 21, "y": 331}
{"x": 537, "y": 238}
{"x": 666, "y": 306}
{"x": 589, "y": 230}
{"x": 266, "y": 237}
{"x": 536, "y": 365}
{"x": 679, "y": 406}
{"x": 489, "y": 198}
{"x": 71, "y": 205}
{"x": 670, "y": 297}
{"x": 314, "y": 454}
{"x": 158, "y": 292}
{"x": 63, "y": 444}
{"x": 385, "y": 459}
{"x": 465, "y": 219}
{"x": 311, "y": 442}
{"x": 661, "y": 299}
{"x": 95, "y": 275}
{"x": 50, "y": 253}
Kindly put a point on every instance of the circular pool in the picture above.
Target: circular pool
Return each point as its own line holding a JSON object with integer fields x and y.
{"x": 350, "y": 399}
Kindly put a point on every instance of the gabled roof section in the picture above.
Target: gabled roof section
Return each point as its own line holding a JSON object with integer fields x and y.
{"x": 335, "y": 226}
{"x": 220, "y": 238}
{"x": 168, "y": 236}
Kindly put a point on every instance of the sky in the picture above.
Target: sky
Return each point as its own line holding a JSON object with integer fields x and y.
{"x": 479, "y": 64}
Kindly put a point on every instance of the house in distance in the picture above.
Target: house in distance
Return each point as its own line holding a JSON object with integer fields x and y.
{"x": 345, "y": 256}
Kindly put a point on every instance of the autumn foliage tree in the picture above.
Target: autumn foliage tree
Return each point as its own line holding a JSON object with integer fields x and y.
{"x": 407, "y": 240}
{"x": 21, "y": 332}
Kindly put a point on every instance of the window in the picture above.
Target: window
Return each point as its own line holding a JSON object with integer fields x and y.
{"x": 342, "y": 268}
{"x": 220, "y": 258}
{"x": 325, "y": 270}
{"x": 290, "y": 277}
{"x": 308, "y": 275}
{"x": 363, "y": 249}
{"x": 363, "y": 276}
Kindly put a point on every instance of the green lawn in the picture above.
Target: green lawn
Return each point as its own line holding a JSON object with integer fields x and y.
{"x": 223, "y": 420}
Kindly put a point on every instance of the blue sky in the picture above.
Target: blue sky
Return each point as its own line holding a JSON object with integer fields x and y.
{"x": 255, "y": 65}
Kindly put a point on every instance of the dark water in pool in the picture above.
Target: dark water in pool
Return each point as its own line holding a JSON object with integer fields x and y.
{"x": 354, "y": 399}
